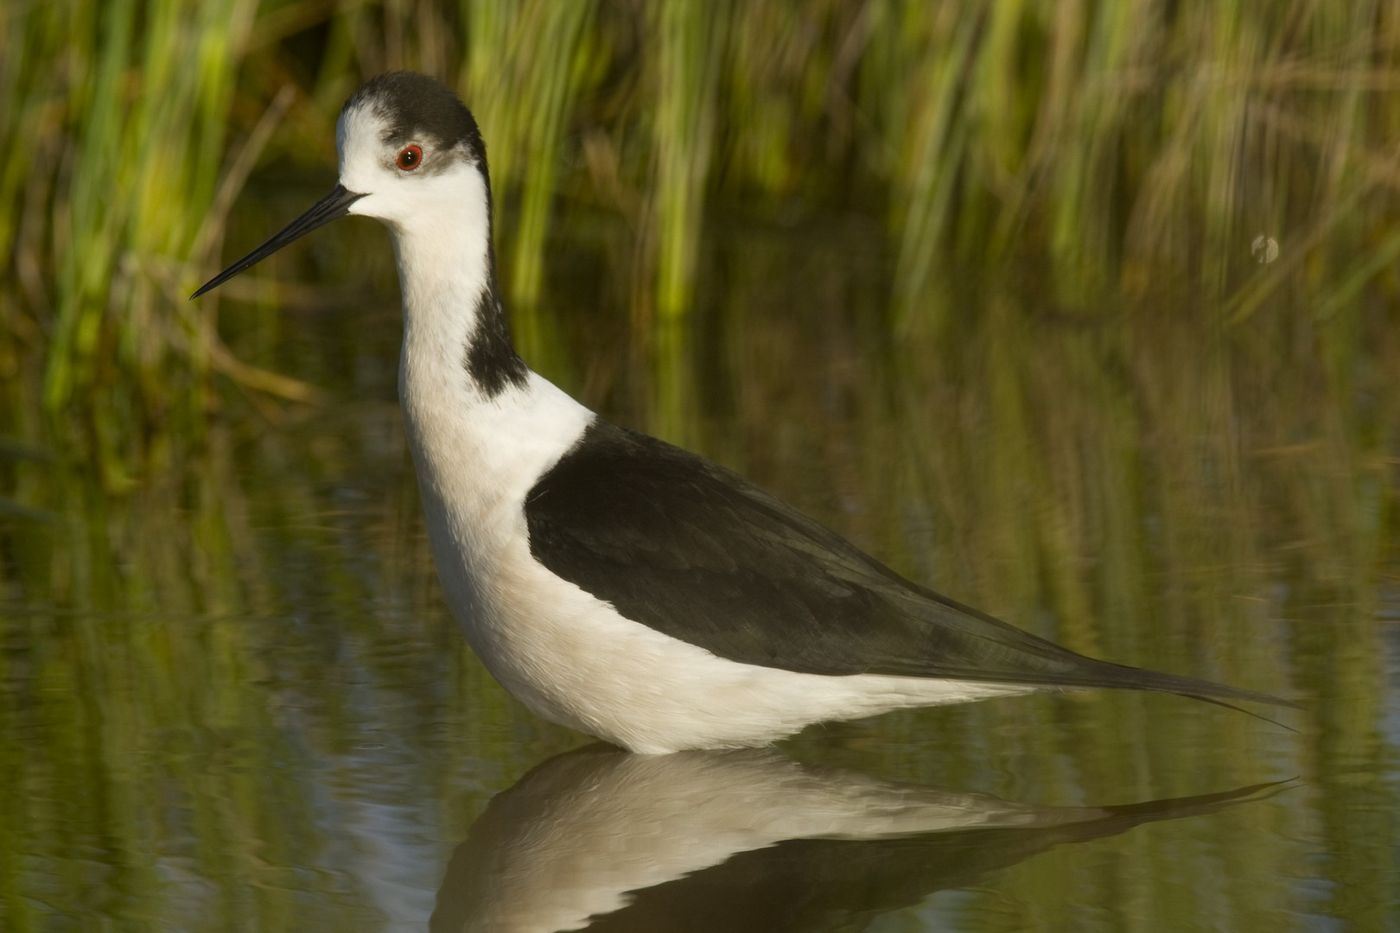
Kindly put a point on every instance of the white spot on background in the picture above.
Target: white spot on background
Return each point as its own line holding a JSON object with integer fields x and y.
{"x": 1265, "y": 249}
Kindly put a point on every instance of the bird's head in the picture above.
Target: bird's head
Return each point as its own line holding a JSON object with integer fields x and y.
{"x": 410, "y": 155}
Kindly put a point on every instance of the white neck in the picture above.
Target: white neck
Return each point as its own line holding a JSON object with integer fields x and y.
{"x": 478, "y": 447}
{"x": 444, "y": 276}
{"x": 444, "y": 269}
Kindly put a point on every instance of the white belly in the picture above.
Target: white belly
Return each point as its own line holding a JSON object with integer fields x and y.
{"x": 573, "y": 659}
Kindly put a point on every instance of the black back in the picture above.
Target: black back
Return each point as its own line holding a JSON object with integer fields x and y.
{"x": 690, "y": 549}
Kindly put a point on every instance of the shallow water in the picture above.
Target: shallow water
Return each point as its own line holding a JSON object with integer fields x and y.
{"x": 231, "y": 695}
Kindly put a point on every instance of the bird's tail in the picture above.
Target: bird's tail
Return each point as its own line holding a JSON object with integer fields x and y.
{"x": 1124, "y": 677}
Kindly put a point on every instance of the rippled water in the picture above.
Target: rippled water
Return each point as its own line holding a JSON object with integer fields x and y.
{"x": 231, "y": 696}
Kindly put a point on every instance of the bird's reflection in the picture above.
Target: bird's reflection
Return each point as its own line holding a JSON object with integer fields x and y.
{"x": 600, "y": 839}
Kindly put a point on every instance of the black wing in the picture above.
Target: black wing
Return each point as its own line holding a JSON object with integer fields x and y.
{"x": 690, "y": 549}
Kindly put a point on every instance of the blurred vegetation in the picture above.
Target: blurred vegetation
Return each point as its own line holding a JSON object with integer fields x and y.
{"x": 1102, "y": 148}
{"x": 986, "y": 286}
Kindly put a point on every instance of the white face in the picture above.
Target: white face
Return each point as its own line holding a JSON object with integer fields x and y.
{"x": 406, "y": 181}
{"x": 433, "y": 195}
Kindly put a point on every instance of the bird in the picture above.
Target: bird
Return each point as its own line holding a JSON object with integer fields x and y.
{"x": 746, "y": 839}
{"x": 611, "y": 582}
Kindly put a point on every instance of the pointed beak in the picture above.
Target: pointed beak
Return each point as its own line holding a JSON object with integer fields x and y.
{"x": 336, "y": 204}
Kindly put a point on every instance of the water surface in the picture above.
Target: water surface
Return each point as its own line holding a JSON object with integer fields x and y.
{"x": 231, "y": 696}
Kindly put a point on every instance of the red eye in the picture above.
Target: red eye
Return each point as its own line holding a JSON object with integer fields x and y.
{"x": 410, "y": 157}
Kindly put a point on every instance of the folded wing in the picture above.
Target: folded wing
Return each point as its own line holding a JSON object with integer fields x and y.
{"x": 690, "y": 549}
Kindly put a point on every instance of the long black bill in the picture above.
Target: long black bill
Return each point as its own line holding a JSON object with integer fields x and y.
{"x": 336, "y": 204}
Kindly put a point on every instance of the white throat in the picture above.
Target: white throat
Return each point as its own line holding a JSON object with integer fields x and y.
{"x": 441, "y": 310}
{"x": 479, "y": 441}
{"x": 444, "y": 272}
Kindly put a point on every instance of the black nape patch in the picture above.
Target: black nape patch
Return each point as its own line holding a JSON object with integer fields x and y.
{"x": 416, "y": 104}
{"x": 492, "y": 362}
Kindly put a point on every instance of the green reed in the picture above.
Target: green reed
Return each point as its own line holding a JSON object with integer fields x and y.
{"x": 524, "y": 101}
{"x": 135, "y": 181}
{"x": 1104, "y": 146}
